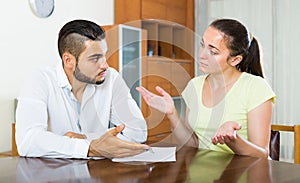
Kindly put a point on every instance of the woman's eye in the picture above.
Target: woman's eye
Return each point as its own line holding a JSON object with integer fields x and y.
{"x": 213, "y": 53}
{"x": 201, "y": 44}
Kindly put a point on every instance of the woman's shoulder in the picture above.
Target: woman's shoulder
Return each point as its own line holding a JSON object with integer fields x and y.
{"x": 250, "y": 78}
{"x": 253, "y": 82}
{"x": 194, "y": 85}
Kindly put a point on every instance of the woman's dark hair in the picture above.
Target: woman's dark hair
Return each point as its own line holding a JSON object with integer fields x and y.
{"x": 240, "y": 42}
{"x": 73, "y": 35}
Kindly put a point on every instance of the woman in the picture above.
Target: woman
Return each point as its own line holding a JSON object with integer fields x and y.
{"x": 229, "y": 108}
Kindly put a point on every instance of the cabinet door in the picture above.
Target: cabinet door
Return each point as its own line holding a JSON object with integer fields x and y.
{"x": 176, "y": 11}
{"x": 127, "y": 11}
{"x": 157, "y": 122}
{"x": 130, "y": 45}
{"x": 180, "y": 76}
{"x": 153, "y": 9}
{"x": 158, "y": 74}
{"x": 125, "y": 52}
{"x": 112, "y": 39}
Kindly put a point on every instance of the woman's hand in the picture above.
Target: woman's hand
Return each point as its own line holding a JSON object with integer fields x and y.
{"x": 226, "y": 133}
{"x": 163, "y": 103}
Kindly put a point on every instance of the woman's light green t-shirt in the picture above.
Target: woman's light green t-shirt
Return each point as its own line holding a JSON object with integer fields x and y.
{"x": 247, "y": 93}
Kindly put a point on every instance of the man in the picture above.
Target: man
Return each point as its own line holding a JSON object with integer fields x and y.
{"x": 66, "y": 111}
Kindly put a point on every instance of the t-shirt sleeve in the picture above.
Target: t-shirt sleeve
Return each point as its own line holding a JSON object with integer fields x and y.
{"x": 187, "y": 93}
{"x": 191, "y": 91}
{"x": 259, "y": 92}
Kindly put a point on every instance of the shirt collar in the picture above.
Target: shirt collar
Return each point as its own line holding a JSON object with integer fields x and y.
{"x": 62, "y": 79}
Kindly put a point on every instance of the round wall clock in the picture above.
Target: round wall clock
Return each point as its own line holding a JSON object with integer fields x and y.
{"x": 42, "y": 8}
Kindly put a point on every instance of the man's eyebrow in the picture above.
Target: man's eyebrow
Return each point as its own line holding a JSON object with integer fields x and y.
{"x": 96, "y": 55}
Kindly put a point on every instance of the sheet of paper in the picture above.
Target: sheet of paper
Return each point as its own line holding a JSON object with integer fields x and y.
{"x": 159, "y": 154}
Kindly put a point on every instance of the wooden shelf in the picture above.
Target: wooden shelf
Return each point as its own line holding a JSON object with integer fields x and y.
{"x": 168, "y": 39}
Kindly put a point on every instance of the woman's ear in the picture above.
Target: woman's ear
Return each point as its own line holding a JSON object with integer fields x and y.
{"x": 236, "y": 60}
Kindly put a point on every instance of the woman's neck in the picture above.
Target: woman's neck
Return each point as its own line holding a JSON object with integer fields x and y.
{"x": 223, "y": 80}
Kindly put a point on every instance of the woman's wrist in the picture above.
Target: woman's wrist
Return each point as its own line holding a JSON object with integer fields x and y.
{"x": 172, "y": 112}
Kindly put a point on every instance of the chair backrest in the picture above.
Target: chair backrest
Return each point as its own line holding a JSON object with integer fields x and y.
{"x": 275, "y": 141}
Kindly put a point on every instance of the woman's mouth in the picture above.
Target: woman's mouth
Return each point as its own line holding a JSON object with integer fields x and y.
{"x": 203, "y": 64}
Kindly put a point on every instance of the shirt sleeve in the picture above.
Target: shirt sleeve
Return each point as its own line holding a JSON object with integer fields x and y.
{"x": 259, "y": 92}
{"x": 186, "y": 93}
{"x": 189, "y": 93}
{"x": 32, "y": 137}
{"x": 124, "y": 110}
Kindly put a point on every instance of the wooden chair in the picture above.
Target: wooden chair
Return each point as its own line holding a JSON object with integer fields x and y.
{"x": 14, "y": 150}
{"x": 275, "y": 140}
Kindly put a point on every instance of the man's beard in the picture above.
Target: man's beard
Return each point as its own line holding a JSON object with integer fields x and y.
{"x": 83, "y": 78}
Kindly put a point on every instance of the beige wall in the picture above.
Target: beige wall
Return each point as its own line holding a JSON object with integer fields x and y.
{"x": 28, "y": 42}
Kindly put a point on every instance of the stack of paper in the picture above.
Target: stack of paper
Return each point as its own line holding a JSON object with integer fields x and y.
{"x": 158, "y": 154}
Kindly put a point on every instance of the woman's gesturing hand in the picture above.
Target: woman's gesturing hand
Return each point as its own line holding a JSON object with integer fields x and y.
{"x": 226, "y": 133}
{"x": 163, "y": 103}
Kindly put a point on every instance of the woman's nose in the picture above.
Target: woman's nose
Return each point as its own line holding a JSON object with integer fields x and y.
{"x": 202, "y": 53}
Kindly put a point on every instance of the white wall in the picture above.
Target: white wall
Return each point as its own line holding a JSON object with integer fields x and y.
{"x": 286, "y": 70}
{"x": 27, "y": 41}
{"x": 255, "y": 14}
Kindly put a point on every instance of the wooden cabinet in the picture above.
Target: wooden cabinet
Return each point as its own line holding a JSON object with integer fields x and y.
{"x": 168, "y": 61}
{"x": 172, "y": 75}
{"x": 177, "y": 11}
{"x": 171, "y": 10}
{"x": 125, "y": 52}
{"x": 169, "y": 40}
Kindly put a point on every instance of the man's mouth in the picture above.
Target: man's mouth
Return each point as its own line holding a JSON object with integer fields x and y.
{"x": 102, "y": 73}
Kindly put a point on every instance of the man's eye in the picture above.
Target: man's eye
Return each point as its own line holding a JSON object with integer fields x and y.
{"x": 94, "y": 59}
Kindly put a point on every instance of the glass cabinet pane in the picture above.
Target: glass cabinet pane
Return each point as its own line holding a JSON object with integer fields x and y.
{"x": 130, "y": 59}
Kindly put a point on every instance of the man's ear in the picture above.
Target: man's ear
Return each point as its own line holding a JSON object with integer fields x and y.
{"x": 69, "y": 60}
{"x": 236, "y": 60}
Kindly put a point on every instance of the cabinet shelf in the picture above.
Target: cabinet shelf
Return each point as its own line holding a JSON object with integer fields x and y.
{"x": 166, "y": 59}
{"x": 168, "y": 39}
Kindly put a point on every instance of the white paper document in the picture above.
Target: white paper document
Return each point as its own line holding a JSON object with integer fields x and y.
{"x": 158, "y": 154}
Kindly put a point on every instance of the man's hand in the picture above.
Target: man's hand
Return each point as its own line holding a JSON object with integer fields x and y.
{"x": 75, "y": 135}
{"x": 226, "y": 133}
{"x": 110, "y": 146}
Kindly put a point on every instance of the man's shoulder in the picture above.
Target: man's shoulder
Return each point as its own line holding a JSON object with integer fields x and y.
{"x": 112, "y": 71}
{"x": 48, "y": 71}
{"x": 112, "y": 74}
{"x": 41, "y": 75}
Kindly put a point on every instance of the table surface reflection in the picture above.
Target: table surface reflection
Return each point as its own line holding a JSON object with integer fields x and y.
{"x": 192, "y": 165}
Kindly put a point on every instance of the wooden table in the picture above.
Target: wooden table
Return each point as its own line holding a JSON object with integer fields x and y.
{"x": 191, "y": 166}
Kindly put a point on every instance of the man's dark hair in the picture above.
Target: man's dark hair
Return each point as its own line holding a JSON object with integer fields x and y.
{"x": 74, "y": 34}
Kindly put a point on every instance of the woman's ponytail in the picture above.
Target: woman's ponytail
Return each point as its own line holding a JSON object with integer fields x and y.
{"x": 251, "y": 60}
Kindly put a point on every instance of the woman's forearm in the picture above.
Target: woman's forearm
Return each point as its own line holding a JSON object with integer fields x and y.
{"x": 182, "y": 133}
{"x": 242, "y": 146}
